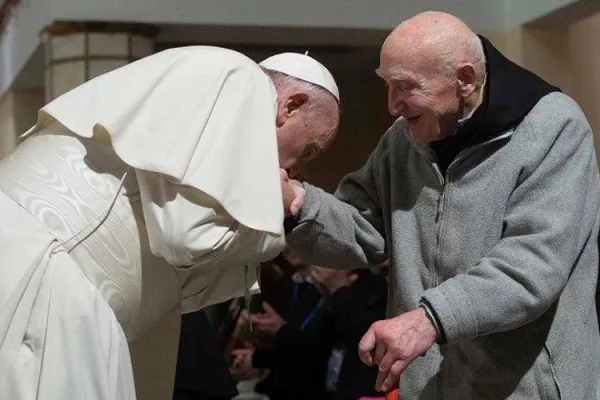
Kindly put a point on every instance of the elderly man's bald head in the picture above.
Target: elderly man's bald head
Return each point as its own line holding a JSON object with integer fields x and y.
{"x": 434, "y": 65}
{"x": 437, "y": 39}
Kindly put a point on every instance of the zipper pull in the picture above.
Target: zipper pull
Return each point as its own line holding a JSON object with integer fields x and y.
{"x": 440, "y": 207}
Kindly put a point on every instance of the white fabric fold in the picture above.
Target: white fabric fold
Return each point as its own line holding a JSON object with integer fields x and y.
{"x": 202, "y": 116}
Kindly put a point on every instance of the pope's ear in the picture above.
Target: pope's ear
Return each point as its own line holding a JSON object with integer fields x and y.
{"x": 294, "y": 102}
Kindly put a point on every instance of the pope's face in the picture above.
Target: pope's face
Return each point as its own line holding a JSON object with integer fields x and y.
{"x": 302, "y": 136}
{"x": 296, "y": 147}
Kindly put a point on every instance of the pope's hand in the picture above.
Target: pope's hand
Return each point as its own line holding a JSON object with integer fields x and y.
{"x": 394, "y": 343}
{"x": 293, "y": 194}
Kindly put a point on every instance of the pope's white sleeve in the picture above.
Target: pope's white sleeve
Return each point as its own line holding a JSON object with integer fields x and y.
{"x": 188, "y": 227}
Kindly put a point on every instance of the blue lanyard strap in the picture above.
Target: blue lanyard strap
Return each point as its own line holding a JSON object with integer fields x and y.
{"x": 312, "y": 312}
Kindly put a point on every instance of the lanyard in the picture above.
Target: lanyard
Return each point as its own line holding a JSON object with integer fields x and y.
{"x": 312, "y": 312}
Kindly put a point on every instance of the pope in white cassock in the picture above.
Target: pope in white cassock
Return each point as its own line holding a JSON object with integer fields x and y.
{"x": 152, "y": 187}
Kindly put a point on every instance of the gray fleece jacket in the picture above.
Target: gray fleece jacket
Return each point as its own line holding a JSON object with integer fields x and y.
{"x": 503, "y": 248}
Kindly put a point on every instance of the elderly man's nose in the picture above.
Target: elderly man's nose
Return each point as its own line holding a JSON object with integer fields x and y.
{"x": 395, "y": 104}
{"x": 396, "y": 107}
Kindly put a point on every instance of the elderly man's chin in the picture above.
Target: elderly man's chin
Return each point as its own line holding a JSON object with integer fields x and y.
{"x": 422, "y": 133}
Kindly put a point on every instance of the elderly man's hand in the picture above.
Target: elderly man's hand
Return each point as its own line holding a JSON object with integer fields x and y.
{"x": 293, "y": 194}
{"x": 394, "y": 343}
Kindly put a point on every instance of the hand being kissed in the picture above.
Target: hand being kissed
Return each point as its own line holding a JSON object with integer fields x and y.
{"x": 293, "y": 194}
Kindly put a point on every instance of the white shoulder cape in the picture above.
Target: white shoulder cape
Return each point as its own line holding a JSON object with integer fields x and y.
{"x": 203, "y": 116}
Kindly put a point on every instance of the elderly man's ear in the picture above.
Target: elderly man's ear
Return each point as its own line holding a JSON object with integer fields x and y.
{"x": 467, "y": 80}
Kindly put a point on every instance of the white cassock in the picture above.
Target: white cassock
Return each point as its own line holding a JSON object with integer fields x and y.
{"x": 151, "y": 188}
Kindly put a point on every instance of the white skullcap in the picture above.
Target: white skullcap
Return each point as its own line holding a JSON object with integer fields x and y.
{"x": 303, "y": 67}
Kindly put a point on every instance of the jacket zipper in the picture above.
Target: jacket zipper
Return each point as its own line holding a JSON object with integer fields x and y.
{"x": 443, "y": 196}
{"x": 440, "y": 210}
{"x": 440, "y": 204}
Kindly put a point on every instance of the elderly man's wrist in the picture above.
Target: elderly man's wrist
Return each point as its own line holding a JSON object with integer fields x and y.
{"x": 431, "y": 315}
{"x": 431, "y": 330}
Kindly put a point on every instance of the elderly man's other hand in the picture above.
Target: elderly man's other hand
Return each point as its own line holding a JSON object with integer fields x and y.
{"x": 394, "y": 343}
{"x": 269, "y": 322}
{"x": 293, "y": 194}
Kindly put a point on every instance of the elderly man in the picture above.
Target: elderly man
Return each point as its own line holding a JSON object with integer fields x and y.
{"x": 151, "y": 187}
{"x": 485, "y": 194}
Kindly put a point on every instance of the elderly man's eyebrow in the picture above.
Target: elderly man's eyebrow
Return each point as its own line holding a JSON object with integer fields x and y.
{"x": 378, "y": 72}
{"x": 386, "y": 77}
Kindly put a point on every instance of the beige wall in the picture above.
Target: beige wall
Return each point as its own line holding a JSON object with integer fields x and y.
{"x": 584, "y": 52}
{"x": 544, "y": 51}
{"x": 567, "y": 56}
{"x": 18, "y": 112}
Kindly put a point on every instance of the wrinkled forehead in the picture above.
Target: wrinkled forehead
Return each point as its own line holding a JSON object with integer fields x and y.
{"x": 395, "y": 59}
{"x": 398, "y": 72}
{"x": 410, "y": 55}
{"x": 410, "y": 66}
